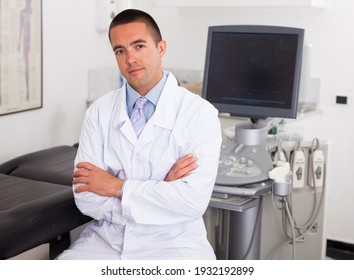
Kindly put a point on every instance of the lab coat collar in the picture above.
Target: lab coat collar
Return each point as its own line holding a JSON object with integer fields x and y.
{"x": 121, "y": 119}
{"x": 164, "y": 115}
{"x": 121, "y": 114}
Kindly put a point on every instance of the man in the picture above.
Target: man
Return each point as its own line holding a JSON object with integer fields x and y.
{"x": 143, "y": 186}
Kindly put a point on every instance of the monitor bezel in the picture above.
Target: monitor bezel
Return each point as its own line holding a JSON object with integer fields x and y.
{"x": 256, "y": 112}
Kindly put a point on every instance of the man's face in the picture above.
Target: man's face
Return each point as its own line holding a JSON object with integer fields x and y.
{"x": 138, "y": 57}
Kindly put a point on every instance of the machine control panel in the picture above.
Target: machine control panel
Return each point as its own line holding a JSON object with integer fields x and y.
{"x": 242, "y": 165}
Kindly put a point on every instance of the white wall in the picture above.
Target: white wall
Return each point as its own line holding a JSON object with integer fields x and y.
{"x": 71, "y": 46}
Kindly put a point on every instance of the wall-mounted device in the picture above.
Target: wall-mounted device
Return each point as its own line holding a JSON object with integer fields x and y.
{"x": 252, "y": 71}
{"x": 106, "y": 10}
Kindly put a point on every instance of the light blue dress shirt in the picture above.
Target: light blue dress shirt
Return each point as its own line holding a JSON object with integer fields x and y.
{"x": 152, "y": 96}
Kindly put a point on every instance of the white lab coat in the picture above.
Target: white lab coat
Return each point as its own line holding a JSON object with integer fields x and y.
{"x": 154, "y": 219}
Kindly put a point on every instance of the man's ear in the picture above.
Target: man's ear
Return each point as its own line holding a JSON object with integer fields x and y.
{"x": 162, "y": 47}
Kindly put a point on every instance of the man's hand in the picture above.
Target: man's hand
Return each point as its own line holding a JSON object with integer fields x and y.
{"x": 96, "y": 180}
{"x": 182, "y": 168}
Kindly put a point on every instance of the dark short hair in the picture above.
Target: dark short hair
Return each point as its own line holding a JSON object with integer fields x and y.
{"x": 133, "y": 15}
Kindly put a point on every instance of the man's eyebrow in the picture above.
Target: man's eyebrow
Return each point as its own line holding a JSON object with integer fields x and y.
{"x": 138, "y": 41}
{"x": 117, "y": 47}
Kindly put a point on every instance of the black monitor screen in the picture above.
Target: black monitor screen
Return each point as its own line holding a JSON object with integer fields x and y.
{"x": 253, "y": 71}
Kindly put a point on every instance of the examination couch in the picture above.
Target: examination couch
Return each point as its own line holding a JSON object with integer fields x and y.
{"x": 36, "y": 200}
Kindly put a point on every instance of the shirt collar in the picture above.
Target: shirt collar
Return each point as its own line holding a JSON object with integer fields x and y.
{"x": 152, "y": 96}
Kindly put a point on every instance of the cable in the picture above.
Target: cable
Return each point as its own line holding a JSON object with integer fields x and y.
{"x": 311, "y": 221}
{"x": 288, "y": 216}
{"x": 285, "y": 212}
{"x": 314, "y": 214}
{"x": 292, "y": 228}
{"x": 280, "y": 155}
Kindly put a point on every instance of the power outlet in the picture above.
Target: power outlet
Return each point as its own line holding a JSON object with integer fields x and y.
{"x": 314, "y": 228}
{"x": 342, "y": 100}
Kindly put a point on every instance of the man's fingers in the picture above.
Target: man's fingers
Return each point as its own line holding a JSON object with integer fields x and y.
{"x": 182, "y": 167}
{"x": 185, "y": 161}
{"x": 86, "y": 165}
{"x": 80, "y": 180}
{"x": 183, "y": 172}
{"x": 82, "y": 188}
{"x": 81, "y": 172}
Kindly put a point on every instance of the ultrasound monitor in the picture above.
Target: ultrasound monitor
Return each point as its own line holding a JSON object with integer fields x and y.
{"x": 253, "y": 71}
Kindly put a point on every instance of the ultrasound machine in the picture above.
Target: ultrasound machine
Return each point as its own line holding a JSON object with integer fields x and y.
{"x": 251, "y": 72}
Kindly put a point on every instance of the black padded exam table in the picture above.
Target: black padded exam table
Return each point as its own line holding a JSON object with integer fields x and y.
{"x": 36, "y": 200}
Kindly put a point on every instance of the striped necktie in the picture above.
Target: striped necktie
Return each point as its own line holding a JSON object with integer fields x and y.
{"x": 137, "y": 117}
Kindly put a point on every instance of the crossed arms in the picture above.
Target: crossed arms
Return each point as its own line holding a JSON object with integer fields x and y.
{"x": 96, "y": 180}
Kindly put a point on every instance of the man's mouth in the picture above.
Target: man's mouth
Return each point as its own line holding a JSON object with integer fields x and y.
{"x": 135, "y": 70}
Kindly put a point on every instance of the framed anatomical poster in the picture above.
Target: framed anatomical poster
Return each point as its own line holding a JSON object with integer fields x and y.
{"x": 20, "y": 55}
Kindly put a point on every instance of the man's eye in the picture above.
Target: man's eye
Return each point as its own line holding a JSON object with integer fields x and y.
{"x": 119, "y": 52}
{"x": 140, "y": 46}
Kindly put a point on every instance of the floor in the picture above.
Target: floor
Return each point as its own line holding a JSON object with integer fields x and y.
{"x": 339, "y": 250}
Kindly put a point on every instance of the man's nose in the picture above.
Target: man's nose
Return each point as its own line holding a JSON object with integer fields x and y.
{"x": 130, "y": 58}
